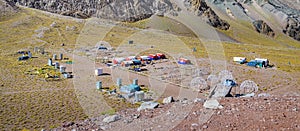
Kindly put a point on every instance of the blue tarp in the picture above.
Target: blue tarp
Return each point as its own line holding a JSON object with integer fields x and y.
{"x": 255, "y": 63}
{"x": 23, "y": 58}
{"x": 136, "y": 62}
{"x": 102, "y": 48}
{"x": 130, "y": 88}
{"x": 252, "y": 63}
{"x": 229, "y": 83}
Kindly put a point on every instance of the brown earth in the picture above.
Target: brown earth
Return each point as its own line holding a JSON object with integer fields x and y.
{"x": 259, "y": 113}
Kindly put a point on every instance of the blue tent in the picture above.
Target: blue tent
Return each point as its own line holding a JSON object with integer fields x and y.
{"x": 102, "y": 48}
{"x": 23, "y": 58}
{"x": 136, "y": 62}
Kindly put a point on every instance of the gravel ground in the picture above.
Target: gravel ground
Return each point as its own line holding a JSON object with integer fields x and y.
{"x": 258, "y": 113}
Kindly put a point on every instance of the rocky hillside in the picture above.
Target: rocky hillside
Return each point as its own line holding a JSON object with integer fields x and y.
{"x": 121, "y": 10}
{"x": 288, "y": 12}
{"x": 7, "y": 8}
{"x": 285, "y": 12}
{"x": 202, "y": 9}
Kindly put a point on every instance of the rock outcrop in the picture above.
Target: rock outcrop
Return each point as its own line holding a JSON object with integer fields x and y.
{"x": 287, "y": 13}
{"x": 74, "y": 8}
{"x": 292, "y": 28}
{"x": 121, "y": 10}
{"x": 263, "y": 27}
{"x": 202, "y": 9}
{"x": 7, "y": 8}
{"x": 134, "y": 10}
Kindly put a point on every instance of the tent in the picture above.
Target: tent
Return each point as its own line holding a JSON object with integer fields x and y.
{"x": 153, "y": 57}
{"x": 241, "y": 60}
{"x": 130, "y": 58}
{"x": 184, "y": 61}
{"x": 161, "y": 56}
{"x": 118, "y": 60}
{"x": 264, "y": 62}
{"x": 127, "y": 63}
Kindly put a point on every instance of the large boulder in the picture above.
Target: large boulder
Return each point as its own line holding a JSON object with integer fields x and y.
{"x": 7, "y": 8}
{"x": 212, "y": 104}
{"x": 263, "y": 28}
{"x": 292, "y": 28}
{"x": 112, "y": 118}
{"x": 168, "y": 100}
{"x": 148, "y": 105}
{"x": 220, "y": 91}
{"x": 202, "y": 9}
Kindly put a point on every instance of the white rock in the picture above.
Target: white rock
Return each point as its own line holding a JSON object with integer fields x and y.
{"x": 199, "y": 100}
{"x": 103, "y": 127}
{"x": 248, "y": 95}
{"x": 263, "y": 95}
{"x": 220, "y": 91}
{"x": 54, "y": 25}
{"x": 212, "y": 104}
{"x": 112, "y": 118}
{"x": 148, "y": 105}
{"x": 168, "y": 100}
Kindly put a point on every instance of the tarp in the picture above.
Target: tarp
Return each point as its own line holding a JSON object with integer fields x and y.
{"x": 184, "y": 61}
{"x": 160, "y": 56}
{"x": 130, "y": 88}
{"x": 130, "y": 58}
{"x": 118, "y": 60}
{"x": 153, "y": 57}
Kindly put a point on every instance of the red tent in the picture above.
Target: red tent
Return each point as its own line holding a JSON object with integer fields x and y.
{"x": 184, "y": 61}
{"x": 153, "y": 57}
{"x": 161, "y": 56}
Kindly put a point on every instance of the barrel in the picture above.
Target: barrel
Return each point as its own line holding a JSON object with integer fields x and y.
{"x": 135, "y": 81}
{"x": 67, "y": 75}
{"x": 60, "y": 56}
{"x": 56, "y": 65}
{"x": 98, "y": 71}
{"x": 29, "y": 54}
{"x": 119, "y": 82}
{"x": 36, "y": 49}
{"x": 99, "y": 85}
{"x": 50, "y": 62}
{"x": 62, "y": 69}
{"x": 54, "y": 57}
{"x": 139, "y": 96}
{"x": 130, "y": 42}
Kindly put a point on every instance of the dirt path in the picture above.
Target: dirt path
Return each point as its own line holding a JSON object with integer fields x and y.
{"x": 84, "y": 82}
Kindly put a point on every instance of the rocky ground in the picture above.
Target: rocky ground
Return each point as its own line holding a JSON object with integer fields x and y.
{"x": 257, "y": 113}
{"x": 37, "y": 104}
